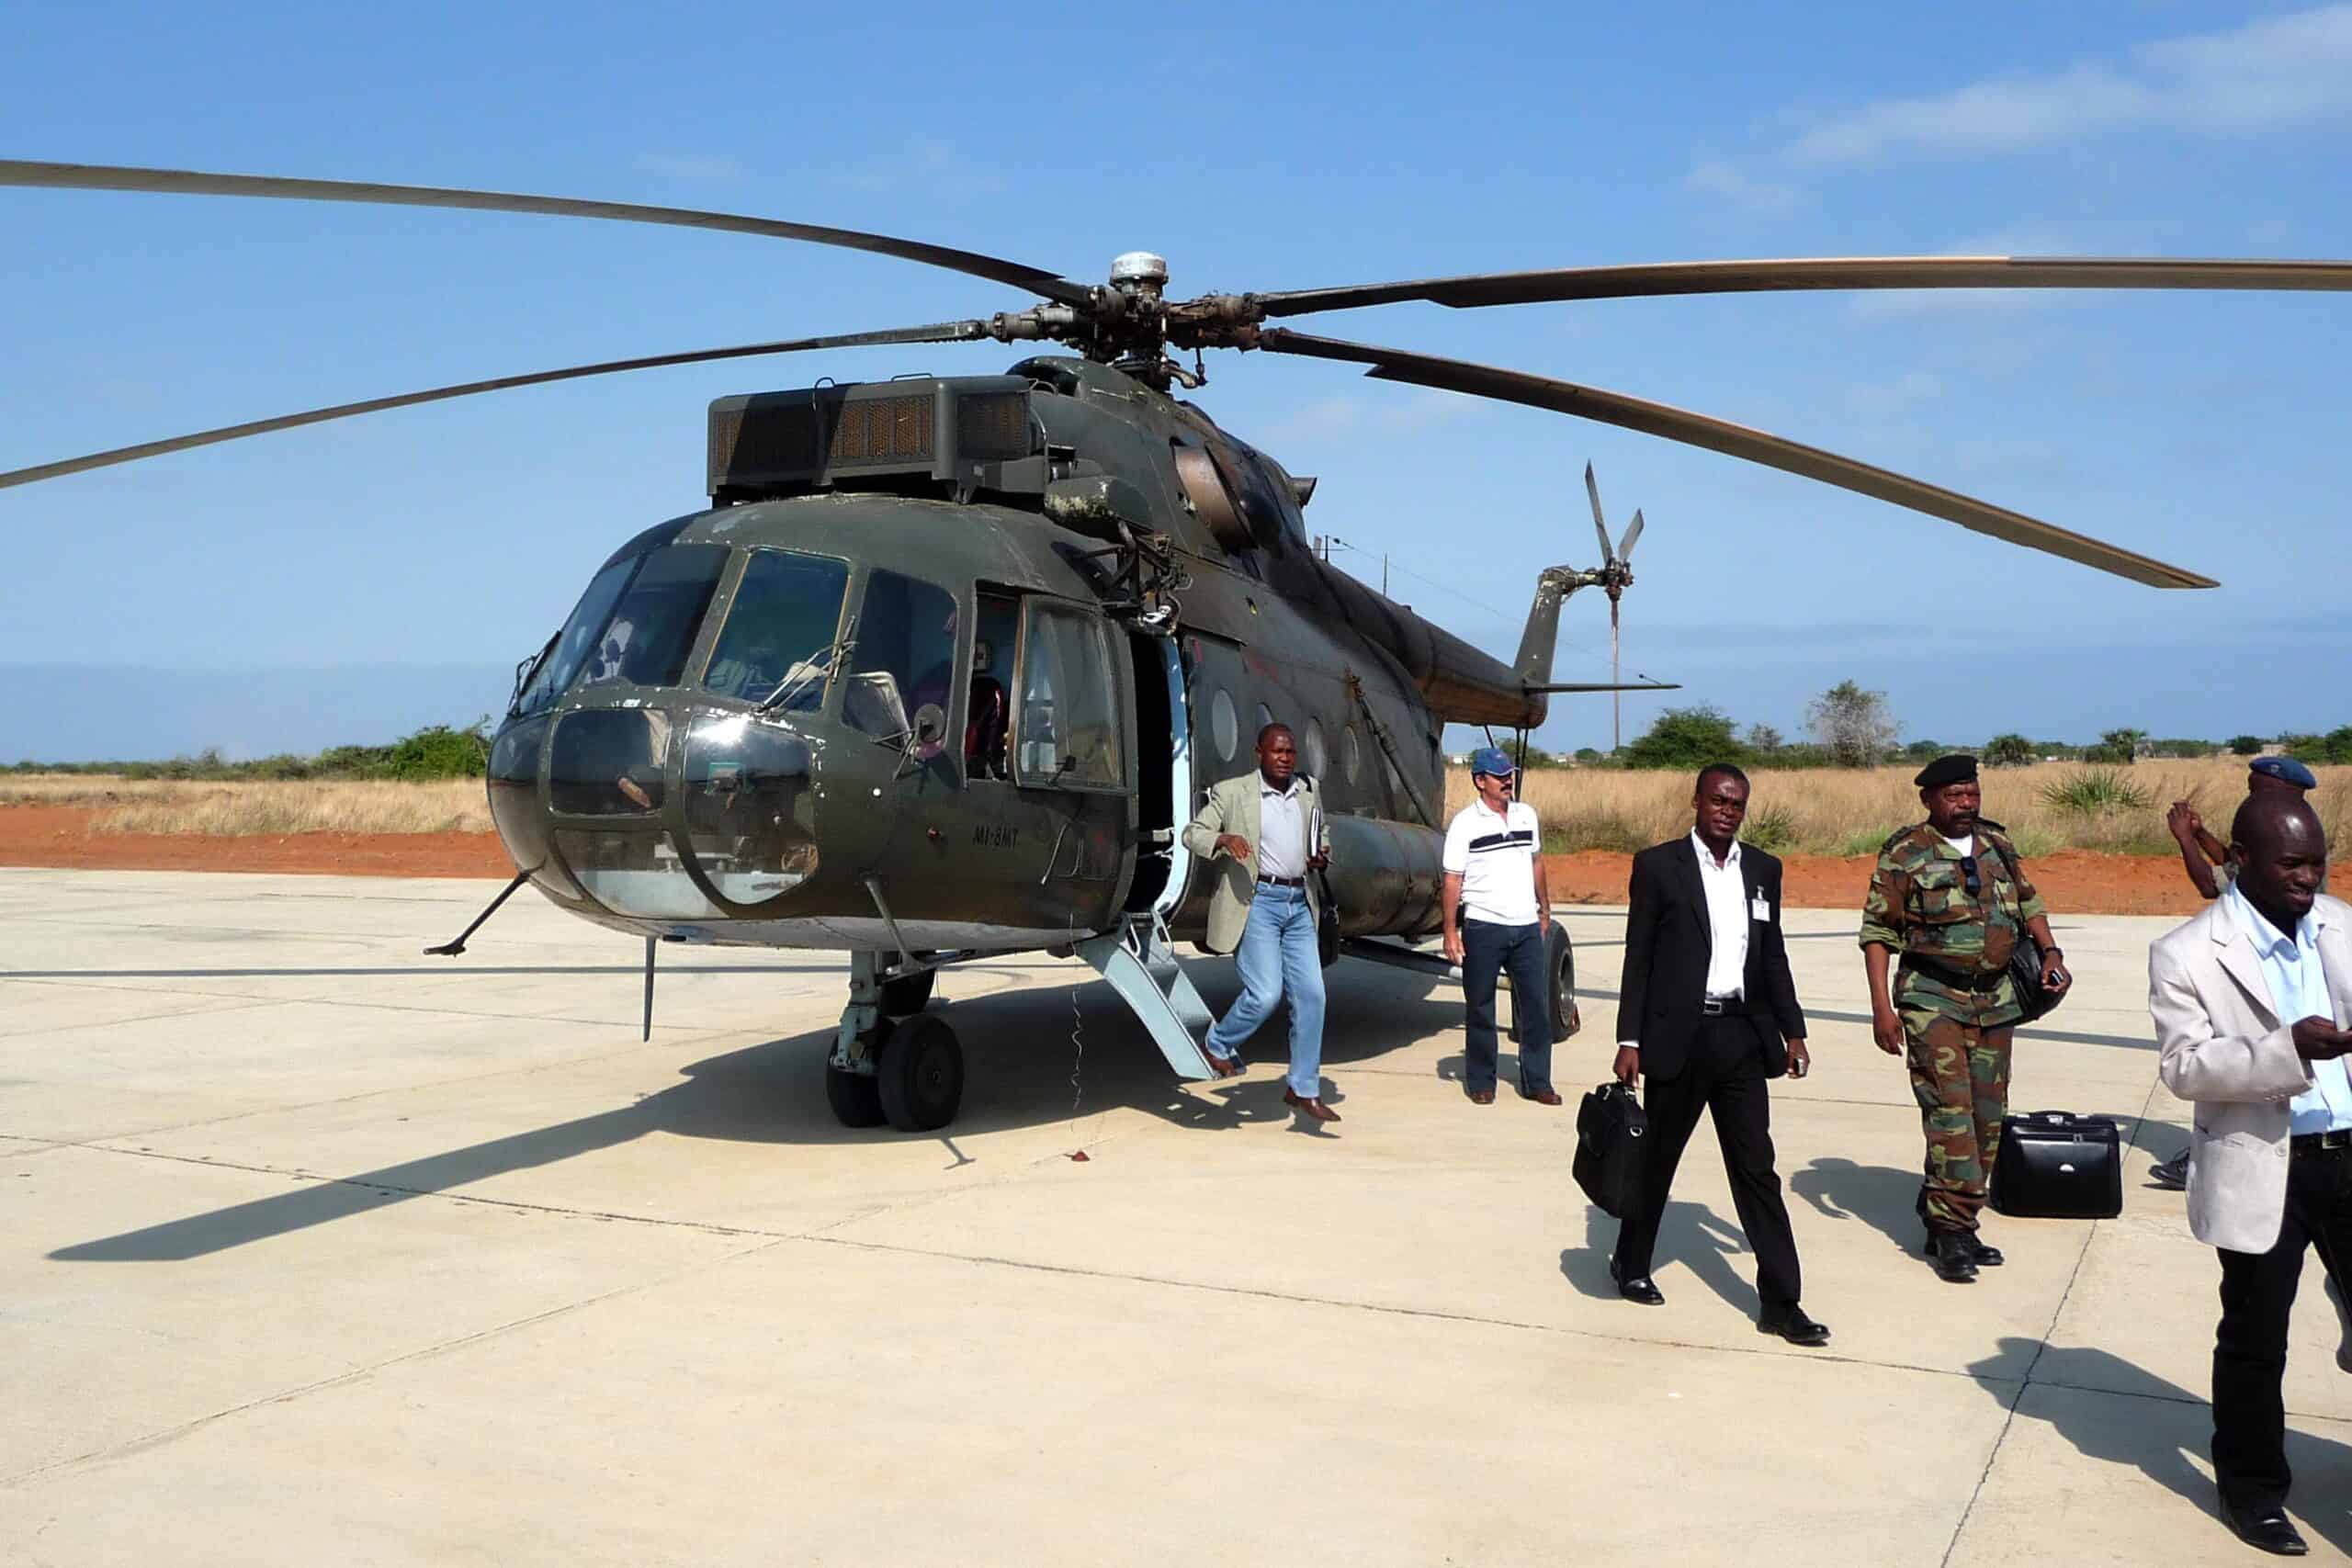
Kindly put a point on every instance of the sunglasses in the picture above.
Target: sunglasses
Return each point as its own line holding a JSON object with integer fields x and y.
{"x": 1968, "y": 876}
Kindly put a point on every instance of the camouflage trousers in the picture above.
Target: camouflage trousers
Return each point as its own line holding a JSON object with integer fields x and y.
{"x": 1960, "y": 1074}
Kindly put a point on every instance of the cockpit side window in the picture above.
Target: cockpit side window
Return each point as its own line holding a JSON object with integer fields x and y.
{"x": 902, "y": 669}
{"x": 573, "y": 643}
{"x": 780, "y": 631}
{"x": 988, "y": 712}
{"x": 1065, "y": 725}
{"x": 646, "y": 641}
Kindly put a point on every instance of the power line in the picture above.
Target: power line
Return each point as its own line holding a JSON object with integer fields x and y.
{"x": 1593, "y": 654}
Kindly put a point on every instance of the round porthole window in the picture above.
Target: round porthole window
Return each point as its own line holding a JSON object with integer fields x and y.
{"x": 1318, "y": 756}
{"x": 1222, "y": 729}
{"x": 1350, "y": 754}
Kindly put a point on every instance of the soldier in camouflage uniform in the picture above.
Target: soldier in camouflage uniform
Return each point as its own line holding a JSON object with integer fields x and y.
{"x": 1951, "y": 895}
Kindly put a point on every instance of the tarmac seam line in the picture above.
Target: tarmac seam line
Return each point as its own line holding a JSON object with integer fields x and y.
{"x": 173, "y": 1433}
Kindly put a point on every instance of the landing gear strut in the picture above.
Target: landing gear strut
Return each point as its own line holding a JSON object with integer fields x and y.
{"x": 908, "y": 1071}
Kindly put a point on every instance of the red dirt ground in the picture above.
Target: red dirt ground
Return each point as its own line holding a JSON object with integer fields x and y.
{"x": 2073, "y": 881}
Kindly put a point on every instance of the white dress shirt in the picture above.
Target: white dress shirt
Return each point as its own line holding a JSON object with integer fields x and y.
{"x": 1281, "y": 829}
{"x": 2298, "y": 981}
{"x": 1727, "y": 891}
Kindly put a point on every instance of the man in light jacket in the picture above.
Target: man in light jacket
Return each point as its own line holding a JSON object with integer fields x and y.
{"x": 2249, "y": 1000}
{"x": 1263, "y": 834}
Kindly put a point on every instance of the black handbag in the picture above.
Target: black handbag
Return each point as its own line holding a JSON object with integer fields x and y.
{"x": 1611, "y": 1129}
{"x": 2060, "y": 1167}
{"x": 2027, "y": 961}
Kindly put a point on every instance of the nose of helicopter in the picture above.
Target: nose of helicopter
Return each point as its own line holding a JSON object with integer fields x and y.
{"x": 659, "y": 812}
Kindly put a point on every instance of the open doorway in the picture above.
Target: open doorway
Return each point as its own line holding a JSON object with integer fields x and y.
{"x": 1158, "y": 751}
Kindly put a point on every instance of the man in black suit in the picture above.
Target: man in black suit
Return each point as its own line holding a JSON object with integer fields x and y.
{"x": 1706, "y": 1006}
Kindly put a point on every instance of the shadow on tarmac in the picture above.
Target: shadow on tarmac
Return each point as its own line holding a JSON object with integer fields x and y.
{"x": 1020, "y": 1061}
{"x": 1689, "y": 1234}
{"x": 2160, "y": 1444}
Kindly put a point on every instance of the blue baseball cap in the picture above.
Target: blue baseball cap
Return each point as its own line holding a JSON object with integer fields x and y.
{"x": 1495, "y": 761}
{"x": 2285, "y": 770}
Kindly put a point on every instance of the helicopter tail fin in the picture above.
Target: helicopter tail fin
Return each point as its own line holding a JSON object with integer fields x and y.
{"x": 1533, "y": 666}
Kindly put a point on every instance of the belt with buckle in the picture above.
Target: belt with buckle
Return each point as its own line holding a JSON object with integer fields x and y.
{"x": 1724, "y": 1007}
{"x": 1285, "y": 881}
{"x": 1958, "y": 979}
{"x": 2319, "y": 1143}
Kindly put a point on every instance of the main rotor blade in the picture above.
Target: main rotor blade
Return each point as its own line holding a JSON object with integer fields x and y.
{"x": 1607, "y": 686}
{"x": 1592, "y": 490}
{"x": 944, "y": 332}
{"x": 185, "y": 182}
{"x": 1737, "y": 441}
{"x": 1625, "y": 546}
{"x": 1818, "y": 273}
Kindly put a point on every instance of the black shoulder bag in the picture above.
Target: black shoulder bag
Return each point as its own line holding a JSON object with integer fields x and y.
{"x": 2028, "y": 960}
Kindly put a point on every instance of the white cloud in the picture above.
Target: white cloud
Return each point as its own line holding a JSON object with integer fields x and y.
{"x": 2270, "y": 74}
{"x": 1771, "y": 199}
{"x": 933, "y": 169}
{"x": 2279, "y": 71}
{"x": 1342, "y": 417}
{"x": 711, "y": 171}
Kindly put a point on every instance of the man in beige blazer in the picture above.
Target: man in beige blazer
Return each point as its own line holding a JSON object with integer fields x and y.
{"x": 1263, "y": 834}
{"x": 2249, "y": 999}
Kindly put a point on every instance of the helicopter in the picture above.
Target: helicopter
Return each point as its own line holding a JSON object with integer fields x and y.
{"x": 947, "y": 662}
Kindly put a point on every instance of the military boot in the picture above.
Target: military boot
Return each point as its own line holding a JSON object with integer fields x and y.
{"x": 1954, "y": 1258}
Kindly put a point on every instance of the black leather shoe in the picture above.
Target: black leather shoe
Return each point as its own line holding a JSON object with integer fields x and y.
{"x": 2265, "y": 1530}
{"x": 2173, "y": 1173}
{"x": 1954, "y": 1258}
{"x": 1985, "y": 1257}
{"x": 1792, "y": 1325}
{"x": 1639, "y": 1288}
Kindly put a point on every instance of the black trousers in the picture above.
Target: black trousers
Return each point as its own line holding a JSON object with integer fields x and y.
{"x": 1725, "y": 1077}
{"x": 2250, "y": 1348}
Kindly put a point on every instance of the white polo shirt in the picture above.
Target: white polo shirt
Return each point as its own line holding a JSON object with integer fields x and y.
{"x": 1494, "y": 853}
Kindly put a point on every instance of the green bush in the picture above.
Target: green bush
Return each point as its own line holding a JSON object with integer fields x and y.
{"x": 2007, "y": 751}
{"x": 2245, "y": 744}
{"x": 1684, "y": 738}
{"x": 2095, "y": 792}
{"x": 441, "y": 752}
{"x": 1772, "y": 829}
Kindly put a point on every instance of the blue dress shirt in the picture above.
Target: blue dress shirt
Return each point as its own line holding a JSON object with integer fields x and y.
{"x": 2299, "y": 991}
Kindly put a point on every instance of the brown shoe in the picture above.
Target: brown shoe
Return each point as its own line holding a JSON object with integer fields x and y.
{"x": 1545, "y": 1097}
{"x": 1482, "y": 1097}
{"x": 1223, "y": 1066}
{"x": 1313, "y": 1106}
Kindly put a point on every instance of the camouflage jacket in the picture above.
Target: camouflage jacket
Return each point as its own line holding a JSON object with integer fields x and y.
{"x": 1919, "y": 905}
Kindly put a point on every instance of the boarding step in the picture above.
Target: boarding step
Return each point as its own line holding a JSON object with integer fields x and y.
{"x": 1139, "y": 960}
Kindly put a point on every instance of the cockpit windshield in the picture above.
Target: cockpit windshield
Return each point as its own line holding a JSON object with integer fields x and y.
{"x": 635, "y": 624}
{"x": 778, "y": 642}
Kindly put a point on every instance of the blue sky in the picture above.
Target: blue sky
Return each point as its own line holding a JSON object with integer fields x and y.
{"x": 339, "y": 583}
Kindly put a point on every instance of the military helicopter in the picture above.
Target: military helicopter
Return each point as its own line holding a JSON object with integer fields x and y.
{"x": 947, "y": 662}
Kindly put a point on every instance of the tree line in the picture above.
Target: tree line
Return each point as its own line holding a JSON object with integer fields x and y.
{"x": 436, "y": 752}
{"x": 1848, "y": 726}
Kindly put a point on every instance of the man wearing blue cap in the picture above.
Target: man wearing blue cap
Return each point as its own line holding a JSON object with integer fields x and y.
{"x": 1494, "y": 872}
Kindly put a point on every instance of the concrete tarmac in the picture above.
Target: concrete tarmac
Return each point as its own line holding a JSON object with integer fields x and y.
{"x": 314, "y": 1250}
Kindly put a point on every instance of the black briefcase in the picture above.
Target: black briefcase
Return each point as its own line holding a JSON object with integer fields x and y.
{"x": 2056, "y": 1167}
{"x": 1611, "y": 1128}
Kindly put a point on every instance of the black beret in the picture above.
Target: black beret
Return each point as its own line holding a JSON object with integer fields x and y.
{"x": 1946, "y": 769}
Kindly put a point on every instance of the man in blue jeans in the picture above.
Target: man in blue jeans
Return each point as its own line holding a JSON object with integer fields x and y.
{"x": 1494, "y": 871}
{"x": 1263, "y": 832}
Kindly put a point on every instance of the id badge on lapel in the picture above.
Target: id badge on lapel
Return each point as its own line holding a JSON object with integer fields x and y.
{"x": 1758, "y": 910}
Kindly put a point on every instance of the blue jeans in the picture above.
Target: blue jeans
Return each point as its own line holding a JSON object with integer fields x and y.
{"x": 1488, "y": 949}
{"x": 1277, "y": 958}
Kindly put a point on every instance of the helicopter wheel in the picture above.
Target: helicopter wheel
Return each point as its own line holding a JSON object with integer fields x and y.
{"x": 856, "y": 1098}
{"x": 1560, "y": 968}
{"x": 909, "y": 994}
{"x": 920, "y": 1076}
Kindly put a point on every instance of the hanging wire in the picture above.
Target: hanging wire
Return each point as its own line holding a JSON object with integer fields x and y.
{"x": 1594, "y": 654}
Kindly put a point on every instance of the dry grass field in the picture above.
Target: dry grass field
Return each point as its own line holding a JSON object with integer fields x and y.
{"x": 238, "y": 809}
{"x": 1836, "y": 811}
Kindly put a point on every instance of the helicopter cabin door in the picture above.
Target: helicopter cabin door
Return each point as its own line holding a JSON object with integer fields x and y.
{"x": 1052, "y": 741}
